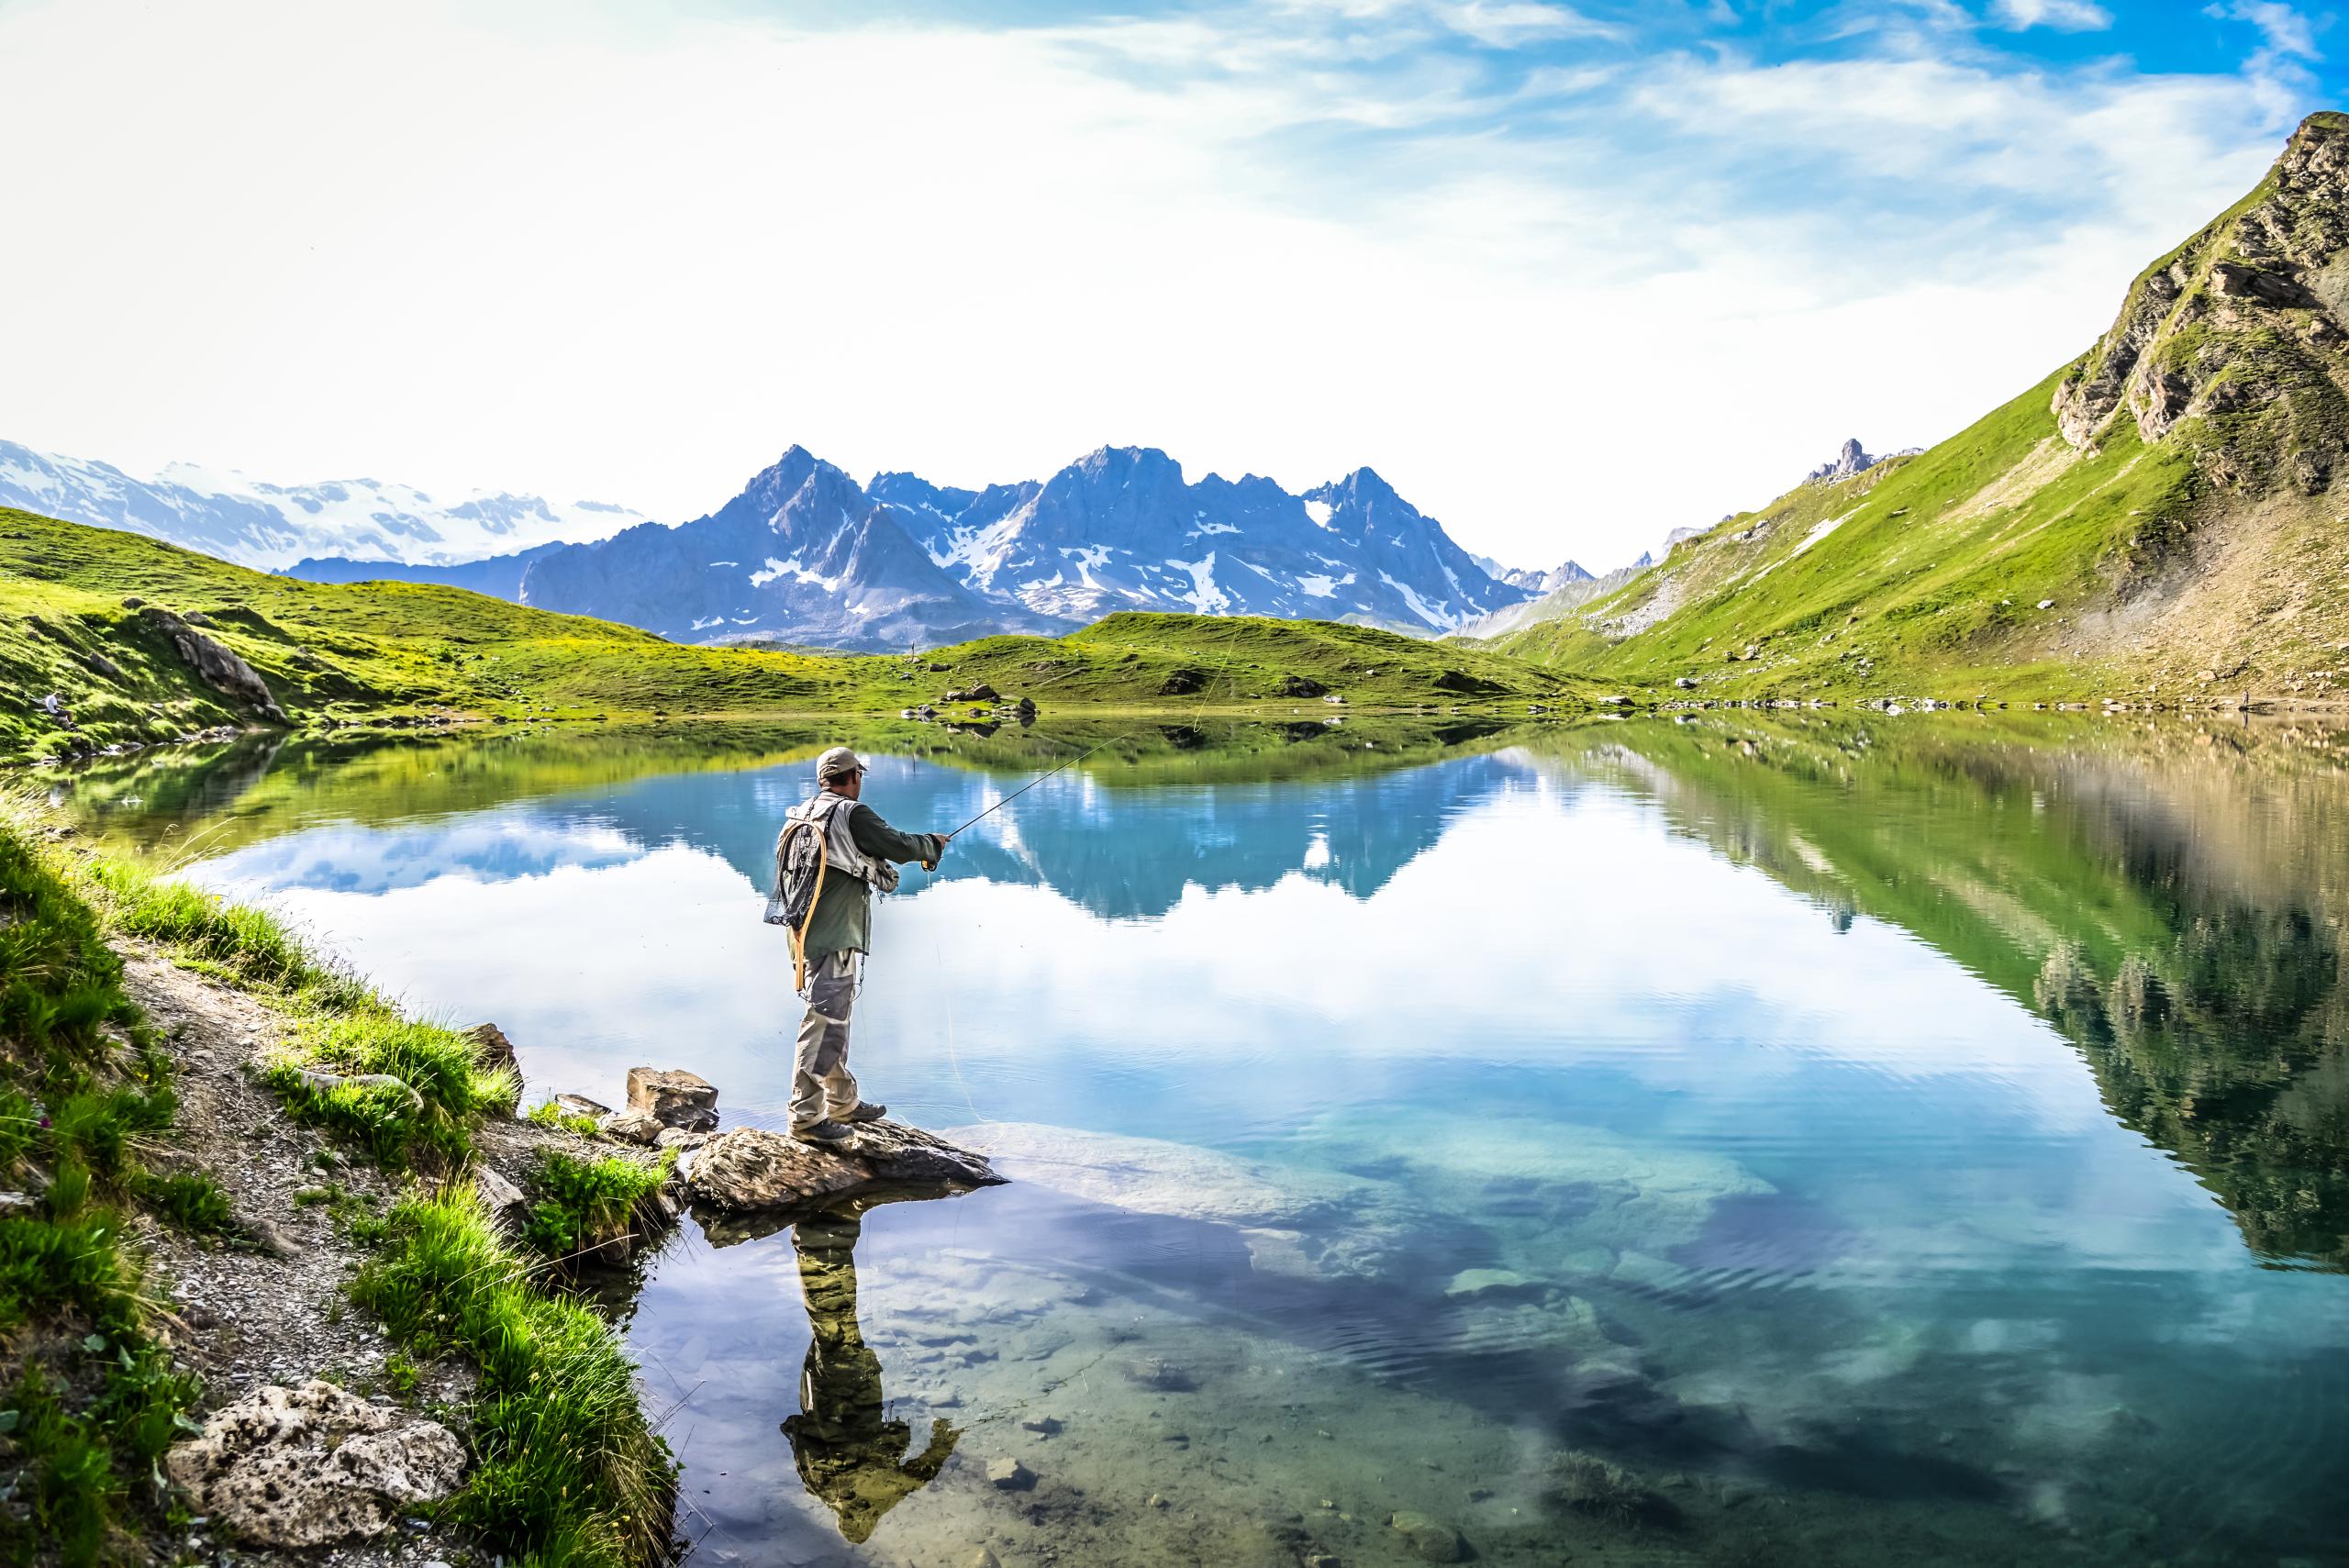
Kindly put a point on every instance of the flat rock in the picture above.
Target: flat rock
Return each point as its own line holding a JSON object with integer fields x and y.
{"x": 752, "y": 1168}
{"x": 1010, "y": 1476}
{"x": 315, "y": 1464}
{"x": 635, "y": 1126}
{"x": 1470, "y": 1284}
{"x": 1429, "y": 1540}
{"x": 673, "y": 1098}
{"x": 580, "y": 1105}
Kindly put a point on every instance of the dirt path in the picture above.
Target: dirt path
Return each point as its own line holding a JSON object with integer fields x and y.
{"x": 273, "y": 1312}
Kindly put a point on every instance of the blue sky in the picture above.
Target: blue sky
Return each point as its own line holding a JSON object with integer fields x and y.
{"x": 1569, "y": 275}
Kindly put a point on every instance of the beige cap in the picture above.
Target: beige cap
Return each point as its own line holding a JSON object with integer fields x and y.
{"x": 840, "y": 760}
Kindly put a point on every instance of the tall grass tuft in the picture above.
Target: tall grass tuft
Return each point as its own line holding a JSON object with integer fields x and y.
{"x": 566, "y": 1469}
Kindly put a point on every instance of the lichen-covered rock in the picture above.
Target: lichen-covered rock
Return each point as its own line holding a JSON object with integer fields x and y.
{"x": 218, "y": 668}
{"x": 751, "y": 1168}
{"x": 635, "y": 1127}
{"x": 311, "y": 1465}
{"x": 1430, "y": 1541}
{"x": 673, "y": 1098}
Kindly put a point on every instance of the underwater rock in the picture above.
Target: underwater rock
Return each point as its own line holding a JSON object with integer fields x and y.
{"x": 309, "y": 1465}
{"x": 1429, "y": 1541}
{"x": 673, "y": 1098}
{"x": 1470, "y": 1284}
{"x": 1159, "y": 1375}
{"x": 1305, "y": 1224}
{"x": 751, "y": 1168}
{"x": 1009, "y": 1474}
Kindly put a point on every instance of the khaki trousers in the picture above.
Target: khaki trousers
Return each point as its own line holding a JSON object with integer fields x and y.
{"x": 821, "y": 1084}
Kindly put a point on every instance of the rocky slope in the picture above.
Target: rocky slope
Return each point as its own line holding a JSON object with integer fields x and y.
{"x": 2154, "y": 520}
{"x": 257, "y": 524}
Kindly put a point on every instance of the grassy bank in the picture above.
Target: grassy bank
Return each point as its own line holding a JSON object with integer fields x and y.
{"x": 565, "y": 1468}
{"x": 89, "y": 1395}
{"x": 79, "y": 622}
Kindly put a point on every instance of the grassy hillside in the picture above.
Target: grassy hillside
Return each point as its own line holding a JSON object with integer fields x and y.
{"x": 79, "y": 621}
{"x": 2153, "y": 521}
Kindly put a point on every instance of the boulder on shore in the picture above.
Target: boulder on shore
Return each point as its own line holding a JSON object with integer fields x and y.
{"x": 218, "y": 667}
{"x": 315, "y": 1464}
{"x": 751, "y": 1168}
{"x": 673, "y": 1098}
{"x": 490, "y": 1042}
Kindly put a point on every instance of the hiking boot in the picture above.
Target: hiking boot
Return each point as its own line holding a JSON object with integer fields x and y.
{"x": 866, "y": 1111}
{"x": 827, "y": 1133}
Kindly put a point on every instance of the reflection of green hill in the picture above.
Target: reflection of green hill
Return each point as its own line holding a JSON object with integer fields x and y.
{"x": 636, "y": 781}
{"x": 2172, "y": 903}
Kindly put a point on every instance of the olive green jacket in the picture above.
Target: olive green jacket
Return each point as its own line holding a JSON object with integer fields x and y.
{"x": 842, "y": 918}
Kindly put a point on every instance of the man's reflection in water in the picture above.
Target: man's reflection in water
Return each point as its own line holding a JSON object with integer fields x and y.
{"x": 847, "y": 1455}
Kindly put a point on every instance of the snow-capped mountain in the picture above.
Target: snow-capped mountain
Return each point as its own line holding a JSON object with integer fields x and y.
{"x": 1534, "y": 582}
{"x": 801, "y": 555}
{"x": 269, "y": 526}
{"x": 807, "y": 555}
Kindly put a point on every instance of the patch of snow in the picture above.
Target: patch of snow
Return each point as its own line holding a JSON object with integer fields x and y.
{"x": 1319, "y": 584}
{"x": 792, "y": 568}
{"x": 1212, "y": 528}
{"x": 706, "y": 624}
{"x": 1205, "y": 596}
{"x": 1318, "y": 511}
{"x": 1434, "y": 615}
{"x": 725, "y": 563}
{"x": 1820, "y": 532}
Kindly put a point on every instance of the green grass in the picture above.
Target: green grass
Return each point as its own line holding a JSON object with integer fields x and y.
{"x": 339, "y": 1027}
{"x": 548, "y": 1114}
{"x": 377, "y": 654}
{"x": 2210, "y": 545}
{"x": 581, "y": 1208}
{"x": 1926, "y": 578}
{"x": 566, "y": 1471}
{"x": 88, "y": 1399}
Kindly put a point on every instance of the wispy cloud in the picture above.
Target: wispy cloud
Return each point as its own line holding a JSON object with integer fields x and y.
{"x": 1509, "y": 251}
{"x": 2063, "y": 15}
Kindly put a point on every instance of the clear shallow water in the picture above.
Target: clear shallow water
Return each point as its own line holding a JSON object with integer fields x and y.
{"x": 1914, "y": 1140}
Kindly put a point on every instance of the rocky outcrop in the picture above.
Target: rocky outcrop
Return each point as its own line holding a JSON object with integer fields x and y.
{"x": 673, "y": 1097}
{"x": 214, "y": 664}
{"x": 2243, "y": 326}
{"x": 751, "y": 1168}
{"x": 315, "y": 1465}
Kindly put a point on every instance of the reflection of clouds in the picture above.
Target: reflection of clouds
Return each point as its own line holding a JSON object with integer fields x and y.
{"x": 494, "y": 846}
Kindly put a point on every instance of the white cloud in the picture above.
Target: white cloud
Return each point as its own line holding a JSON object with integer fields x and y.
{"x": 531, "y": 247}
{"x": 2063, "y": 15}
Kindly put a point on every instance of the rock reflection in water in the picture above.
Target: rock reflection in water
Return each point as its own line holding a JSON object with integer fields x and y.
{"x": 849, "y": 1454}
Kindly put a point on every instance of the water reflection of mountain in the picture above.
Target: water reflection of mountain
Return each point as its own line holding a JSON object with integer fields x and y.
{"x": 1124, "y": 836}
{"x": 2173, "y": 904}
{"x": 1120, "y": 853}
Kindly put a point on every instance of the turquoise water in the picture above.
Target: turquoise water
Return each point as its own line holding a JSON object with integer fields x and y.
{"x": 1912, "y": 1144}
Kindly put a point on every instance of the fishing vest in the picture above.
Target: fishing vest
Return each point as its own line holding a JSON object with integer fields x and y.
{"x": 794, "y": 889}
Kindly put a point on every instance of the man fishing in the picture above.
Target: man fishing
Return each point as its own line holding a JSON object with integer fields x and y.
{"x": 832, "y": 852}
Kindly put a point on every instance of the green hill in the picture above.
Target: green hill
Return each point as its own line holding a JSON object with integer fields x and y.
{"x": 114, "y": 627}
{"x": 2153, "y": 520}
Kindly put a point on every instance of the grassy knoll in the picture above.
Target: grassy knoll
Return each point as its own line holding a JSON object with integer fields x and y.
{"x": 565, "y": 1468}
{"x": 402, "y": 653}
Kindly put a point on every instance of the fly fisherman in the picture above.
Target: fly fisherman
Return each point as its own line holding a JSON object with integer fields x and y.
{"x": 832, "y": 852}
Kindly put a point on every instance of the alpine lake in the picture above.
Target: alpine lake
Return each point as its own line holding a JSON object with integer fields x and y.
{"x": 1828, "y": 1138}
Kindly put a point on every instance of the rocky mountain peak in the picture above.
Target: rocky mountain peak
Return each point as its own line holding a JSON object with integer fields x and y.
{"x": 2238, "y": 340}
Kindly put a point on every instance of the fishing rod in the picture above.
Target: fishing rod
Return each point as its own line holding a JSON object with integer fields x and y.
{"x": 1023, "y": 789}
